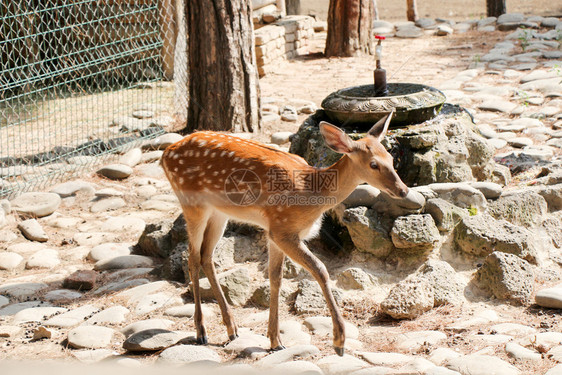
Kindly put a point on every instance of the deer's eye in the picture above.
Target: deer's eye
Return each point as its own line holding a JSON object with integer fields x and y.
{"x": 374, "y": 165}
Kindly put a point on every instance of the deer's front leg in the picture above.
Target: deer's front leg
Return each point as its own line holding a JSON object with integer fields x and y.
{"x": 276, "y": 259}
{"x": 292, "y": 246}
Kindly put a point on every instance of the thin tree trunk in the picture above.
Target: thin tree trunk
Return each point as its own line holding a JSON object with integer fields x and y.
{"x": 223, "y": 83}
{"x": 412, "y": 12}
{"x": 169, "y": 36}
{"x": 376, "y": 10}
{"x": 350, "y": 25}
{"x": 495, "y": 8}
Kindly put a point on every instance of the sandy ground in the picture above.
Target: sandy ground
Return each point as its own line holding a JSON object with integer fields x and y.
{"x": 392, "y": 10}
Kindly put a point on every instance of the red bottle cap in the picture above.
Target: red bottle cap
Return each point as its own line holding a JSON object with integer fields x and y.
{"x": 380, "y": 37}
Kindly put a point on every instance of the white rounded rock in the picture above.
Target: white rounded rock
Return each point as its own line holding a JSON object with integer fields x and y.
{"x": 36, "y": 204}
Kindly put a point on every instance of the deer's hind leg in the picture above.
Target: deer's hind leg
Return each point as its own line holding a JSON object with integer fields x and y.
{"x": 213, "y": 232}
{"x": 196, "y": 222}
{"x": 276, "y": 259}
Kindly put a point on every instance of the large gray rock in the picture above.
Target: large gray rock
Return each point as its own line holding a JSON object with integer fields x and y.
{"x": 448, "y": 286}
{"x": 356, "y": 278}
{"x": 552, "y": 194}
{"x": 415, "y": 233}
{"x": 446, "y": 215}
{"x": 507, "y": 277}
{"x": 522, "y": 208}
{"x": 123, "y": 261}
{"x": 413, "y": 203}
{"x": 235, "y": 285}
{"x": 409, "y": 299}
{"x": 36, "y": 204}
{"x": 448, "y": 151}
{"x": 369, "y": 230}
{"x": 480, "y": 235}
{"x": 460, "y": 194}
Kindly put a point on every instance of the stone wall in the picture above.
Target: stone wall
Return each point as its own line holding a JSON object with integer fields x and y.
{"x": 282, "y": 40}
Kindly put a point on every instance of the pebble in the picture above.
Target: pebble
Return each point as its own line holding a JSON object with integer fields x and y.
{"x": 556, "y": 370}
{"x": 163, "y": 141}
{"x": 153, "y": 340}
{"x": 111, "y": 315}
{"x": 93, "y": 356}
{"x": 334, "y": 364}
{"x": 481, "y": 365}
{"x": 550, "y": 297}
{"x": 440, "y": 355}
{"x": 385, "y": 359}
{"x": 182, "y": 354}
{"x": 520, "y": 142}
{"x": 11, "y": 262}
{"x": 123, "y": 261}
{"x": 62, "y": 295}
{"x": 109, "y": 250}
{"x": 148, "y": 324}
{"x": 115, "y": 171}
{"x": 36, "y": 314}
{"x": 33, "y": 231}
{"x": 143, "y": 290}
{"x": 70, "y": 188}
{"x": 292, "y": 334}
{"x": 131, "y": 157}
{"x": 81, "y": 280}
{"x": 497, "y": 105}
{"x": 512, "y": 329}
{"x": 521, "y": 353}
{"x": 142, "y": 114}
{"x": 280, "y": 138}
{"x": 555, "y": 353}
{"x": 47, "y": 258}
{"x": 288, "y": 354}
{"x": 36, "y": 204}
{"x": 248, "y": 343}
{"x": 124, "y": 224}
{"x": 151, "y": 156}
{"x": 156, "y": 301}
{"x": 22, "y": 290}
{"x": 298, "y": 367}
{"x": 90, "y": 337}
{"x": 188, "y": 310}
{"x": 14, "y": 308}
{"x": 107, "y": 204}
{"x": 72, "y": 317}
{"x": 4, "y": 301}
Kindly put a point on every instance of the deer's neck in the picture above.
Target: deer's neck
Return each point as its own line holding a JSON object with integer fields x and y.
{"x": 345, "y": 177}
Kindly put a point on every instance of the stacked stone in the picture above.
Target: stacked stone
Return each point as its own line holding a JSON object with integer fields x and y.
{"x": 282, "y": 40}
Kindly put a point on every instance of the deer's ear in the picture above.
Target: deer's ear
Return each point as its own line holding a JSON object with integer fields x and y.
{"x": 336, "y": 138}
{"x": 381, "y": 127}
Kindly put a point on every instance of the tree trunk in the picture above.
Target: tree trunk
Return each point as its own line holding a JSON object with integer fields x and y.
{"x": 376, "y": 10}
{"x": 293, "y": 6}
{"x": 169, "y": 33}
{"x": 412, "y": 12}
{"x": 223, "y": 83}
{"x": 495, "y": 8}
{"x": 350, "y": 25}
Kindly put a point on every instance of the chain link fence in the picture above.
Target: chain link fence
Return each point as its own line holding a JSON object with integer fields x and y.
{"x": 83, "y": 80}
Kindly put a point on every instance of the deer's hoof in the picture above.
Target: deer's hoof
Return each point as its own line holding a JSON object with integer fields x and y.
{"x": 278, "y": 348}
{"x": 202, "y": 340}
{"x": 233, "y": 337}
{"x": 339, "y": 351}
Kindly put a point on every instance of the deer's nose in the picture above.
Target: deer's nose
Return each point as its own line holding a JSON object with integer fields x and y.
{"x": 403, "y": 193}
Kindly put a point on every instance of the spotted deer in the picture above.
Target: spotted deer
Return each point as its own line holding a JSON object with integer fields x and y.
{"x": 217, "y": 177}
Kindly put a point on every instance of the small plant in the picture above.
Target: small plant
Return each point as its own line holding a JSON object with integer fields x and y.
{"x": 523, "y": 96}
{"x": 524, "y": 38}
{"x": 472, "y": 211}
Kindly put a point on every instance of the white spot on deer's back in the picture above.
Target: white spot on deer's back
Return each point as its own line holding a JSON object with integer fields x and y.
{"x": 222, "y": 153}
